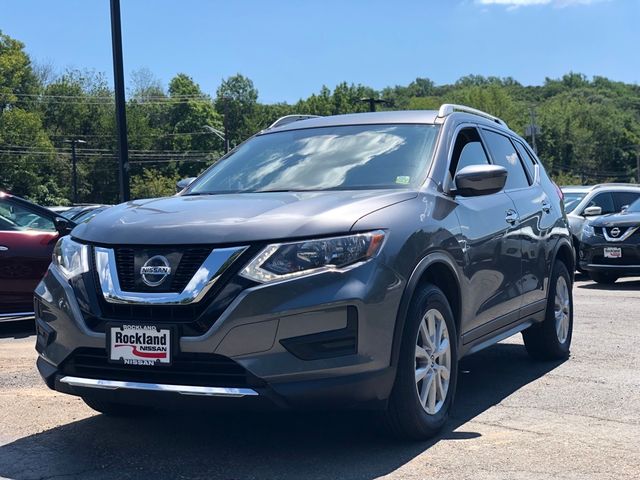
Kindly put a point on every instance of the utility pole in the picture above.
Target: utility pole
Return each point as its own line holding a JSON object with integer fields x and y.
{"x": 121, "y": 115}
{"x": 225, "y": 122}
{"x": 532, "y": 129}
{"x": 373, "y": 102}
{"x": 638, "y": 164}
{"x": 74, "y": 166}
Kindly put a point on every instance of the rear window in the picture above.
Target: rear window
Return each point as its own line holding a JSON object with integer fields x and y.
{"x": 329, "y": 158}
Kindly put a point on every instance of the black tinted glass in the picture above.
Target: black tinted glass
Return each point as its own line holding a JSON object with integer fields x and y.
{"x": 624, "y": 199}
{"x": 504, "y": 154}
{"x": 604, "y": 201}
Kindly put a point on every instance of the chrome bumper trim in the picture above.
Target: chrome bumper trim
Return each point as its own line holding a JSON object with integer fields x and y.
{"x": 156, "y": 387}
{"x": 208, "y": 274}
{"x": 17, "y": 314}
{"x": 596, "y": 265}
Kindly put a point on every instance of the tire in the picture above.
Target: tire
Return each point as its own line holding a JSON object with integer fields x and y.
{"x": 604, "y": 278}
{"x": 551, "y": 339}
{"x": 114, "y": 409}
{"x": 406, "y": 417}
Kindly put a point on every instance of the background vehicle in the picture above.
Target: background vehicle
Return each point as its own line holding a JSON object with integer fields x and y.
{"x": 345, "y": 261}
{"x": 584, "y": 203}
{"x": 610, "y": 246}
{"x": 28, "y": 234}
{"x": 82, "y": 212}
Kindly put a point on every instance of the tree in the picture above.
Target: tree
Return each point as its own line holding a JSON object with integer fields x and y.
{"x": 17, "y": 80}
{"x": 236, "y": 100}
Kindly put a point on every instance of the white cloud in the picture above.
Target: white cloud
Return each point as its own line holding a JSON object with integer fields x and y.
{"x": 526, "y": 3}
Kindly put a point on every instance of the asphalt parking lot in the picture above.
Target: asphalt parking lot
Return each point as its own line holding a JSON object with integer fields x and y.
{"x": 513, "y": 419}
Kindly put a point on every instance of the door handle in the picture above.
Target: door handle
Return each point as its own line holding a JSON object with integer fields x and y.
{"x": 546, "y": 207}
{"x": 3, "y": 248}
{"x": 512, "y": 217}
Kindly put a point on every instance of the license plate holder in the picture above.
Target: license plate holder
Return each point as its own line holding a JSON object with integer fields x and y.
{"x": 145, "y": 345}
{"x": 612, "y": 252}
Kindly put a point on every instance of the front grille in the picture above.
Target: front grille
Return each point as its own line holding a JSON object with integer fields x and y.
{"x": 190, "y": 262}
{"x": 198, "y": 369}
{"x": 187, "y": 260}
{"x": 191, "y": 319}
{"x": 125, "y": 268}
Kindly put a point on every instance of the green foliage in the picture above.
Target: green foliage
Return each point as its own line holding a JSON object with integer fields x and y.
{"x": 589, "y": 128}
{"x": 16, "y": 74}
{"x": 152, "y": 184}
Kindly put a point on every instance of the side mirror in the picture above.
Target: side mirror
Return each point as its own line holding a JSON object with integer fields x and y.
{"x": 63, "y": 226}
{"x": 184, "y": 183}
{"x": 624, "y": 208}
{"x": 476, "y": 180}
{"x": 592, "y": 211}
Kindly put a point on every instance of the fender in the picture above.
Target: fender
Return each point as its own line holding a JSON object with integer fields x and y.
{"x": 410, "y": 288}
{"x": 564, "y": 241}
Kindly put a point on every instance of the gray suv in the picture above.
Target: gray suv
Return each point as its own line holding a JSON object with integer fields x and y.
{"x": 337, "y": 262}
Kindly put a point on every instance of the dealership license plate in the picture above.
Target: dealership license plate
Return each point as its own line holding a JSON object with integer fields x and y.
{"x": 613, "y": 252}
{"x": 140, "y": 345}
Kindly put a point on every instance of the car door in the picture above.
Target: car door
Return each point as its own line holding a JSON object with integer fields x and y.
{"x": 492, "y": 256}
{"x": 536, "y": 218}
{"x": 27, "y": 239}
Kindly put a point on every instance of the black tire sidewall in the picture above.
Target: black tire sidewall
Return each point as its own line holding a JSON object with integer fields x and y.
{"x": 428, "y": 297}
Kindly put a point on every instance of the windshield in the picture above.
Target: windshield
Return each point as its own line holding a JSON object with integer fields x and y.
{"x": 634, "y": 207}
{"x": 572, "y": 199}
{"x": 343, "y": 157}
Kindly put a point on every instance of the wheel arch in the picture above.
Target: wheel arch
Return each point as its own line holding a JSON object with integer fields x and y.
{"x": 440, "y": 270}
{"x": 565, "y": 252}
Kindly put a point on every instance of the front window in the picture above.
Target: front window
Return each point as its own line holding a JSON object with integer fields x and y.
{"x": 571, "y": 200}
{"x": 328, "y": 158}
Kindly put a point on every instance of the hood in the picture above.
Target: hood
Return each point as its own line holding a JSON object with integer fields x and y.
{"x": 624, "y": 219}
{"x": 234, "y": 218}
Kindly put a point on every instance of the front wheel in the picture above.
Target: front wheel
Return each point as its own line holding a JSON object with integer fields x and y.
{"x": 551, "y": 339}
{"x": 427, "y": 368}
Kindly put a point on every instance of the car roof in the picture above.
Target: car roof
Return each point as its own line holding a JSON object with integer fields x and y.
{"x": 368, "y": 118}
{"x": 601, "y": 187}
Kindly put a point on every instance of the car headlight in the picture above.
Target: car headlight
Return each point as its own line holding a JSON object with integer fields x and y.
{"x": 281, "y": 261}
{"x": 588, "y": 231}
{"x": 71, "y": 258}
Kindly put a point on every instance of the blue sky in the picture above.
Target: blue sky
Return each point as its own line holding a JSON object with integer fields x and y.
{"x": 291, "y": 48}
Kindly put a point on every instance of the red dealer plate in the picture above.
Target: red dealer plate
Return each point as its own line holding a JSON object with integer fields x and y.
{"x": 139, "y": 345}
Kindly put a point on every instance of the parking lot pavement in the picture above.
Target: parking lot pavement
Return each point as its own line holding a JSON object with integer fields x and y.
{"x": 513, "y": 419}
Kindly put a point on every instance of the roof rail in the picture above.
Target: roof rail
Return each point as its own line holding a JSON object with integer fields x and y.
{"x": 290, "y": 119}
{"x": 615, "y": 184}
{"x": 448, "y": 108}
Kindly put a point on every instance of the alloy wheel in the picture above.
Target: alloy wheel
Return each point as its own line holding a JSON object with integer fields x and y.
{"x": 562, "y": 309}
{"x": 432, "y": 361}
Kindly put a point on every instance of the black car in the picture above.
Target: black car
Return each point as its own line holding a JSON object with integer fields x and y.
{"x": 610, "y": 246}
{"x": 337, "y": 262}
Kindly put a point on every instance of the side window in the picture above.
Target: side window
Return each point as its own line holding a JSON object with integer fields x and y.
{"x": 529, "y": 162}
{"x": 6, "y": 223}
{"x": 604, "y": 201}
{"x": 16, "y": 217}
{"x": 468, "y": 150}
{"x": 504, "y": 154}
{"x": 623, "y": 199}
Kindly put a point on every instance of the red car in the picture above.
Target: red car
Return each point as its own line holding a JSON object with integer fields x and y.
{"x": 28, "y": 234}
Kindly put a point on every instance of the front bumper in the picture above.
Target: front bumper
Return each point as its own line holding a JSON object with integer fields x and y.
{"x": 323, "y": 340}
{"x": 592, "y": 256}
